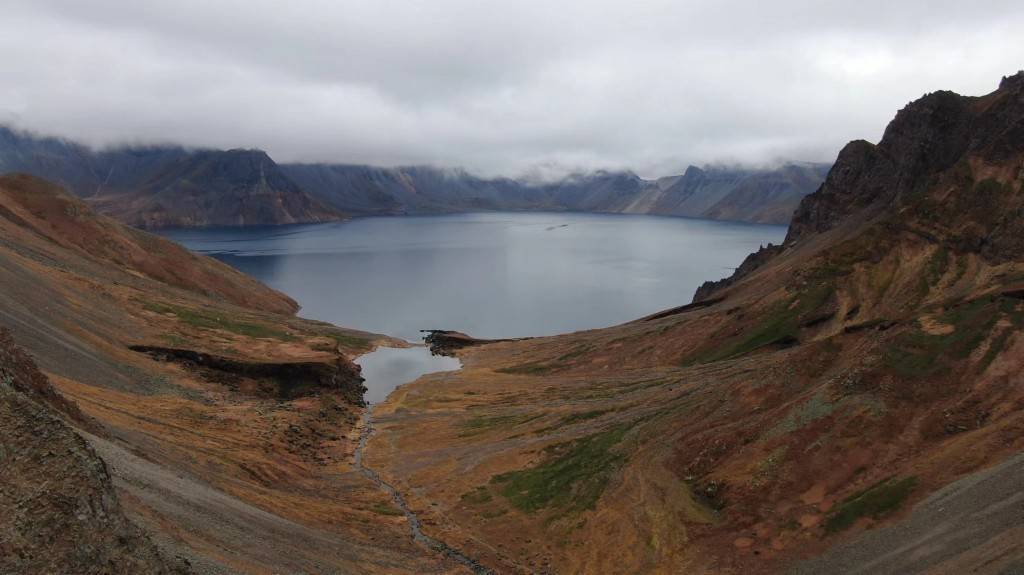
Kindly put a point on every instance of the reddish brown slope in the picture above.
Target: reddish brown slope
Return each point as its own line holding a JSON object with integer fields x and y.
{"x": 828, "y": 388}
{"x": 229, "y": 435}
{"x": 45, "y": 210}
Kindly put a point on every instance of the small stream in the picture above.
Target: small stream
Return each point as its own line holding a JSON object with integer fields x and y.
{"x": 384, "y": 370}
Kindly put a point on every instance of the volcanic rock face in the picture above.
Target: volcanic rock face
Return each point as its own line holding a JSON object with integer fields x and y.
{"x": 167, "y": 186}
{"x": 209, "y": 188}
{"x": 750, "y": 195}
{"x": 927, "y": 137}
{"x": 282, "y": 380}
{"x": 60, "y": 511}
{"x": 162, "y": 186}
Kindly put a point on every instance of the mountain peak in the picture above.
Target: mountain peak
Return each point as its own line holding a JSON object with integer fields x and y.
{"x": 1013, "y": 81}
{"x": 693, "y": 172}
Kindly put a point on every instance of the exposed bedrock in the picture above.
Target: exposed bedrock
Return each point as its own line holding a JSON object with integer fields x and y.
{"x": 285, "y": 380}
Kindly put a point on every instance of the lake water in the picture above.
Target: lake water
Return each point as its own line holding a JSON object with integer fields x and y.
{"x": 388, "y": 367}
{"x": 490, "y": 275}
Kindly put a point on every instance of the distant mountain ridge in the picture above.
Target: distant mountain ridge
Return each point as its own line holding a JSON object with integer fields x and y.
{"x": 171, "y": 186}
{"x": 167, "y": 186}
{"x": 719, "y": 193}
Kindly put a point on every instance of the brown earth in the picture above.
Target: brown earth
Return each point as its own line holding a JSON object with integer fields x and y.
{"x": 849, "y": 390}
{"x": 233, "y": 452}
{"x": 846, "y": 401}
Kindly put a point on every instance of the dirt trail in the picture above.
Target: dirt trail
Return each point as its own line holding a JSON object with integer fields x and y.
{"x": 415, "y": 526}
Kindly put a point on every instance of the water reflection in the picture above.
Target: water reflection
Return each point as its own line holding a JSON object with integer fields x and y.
{"x": 388, "y": 367}
{"x": 489, "y": 275}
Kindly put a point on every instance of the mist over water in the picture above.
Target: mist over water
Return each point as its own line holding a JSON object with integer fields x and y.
{"x": 489, "y": 275}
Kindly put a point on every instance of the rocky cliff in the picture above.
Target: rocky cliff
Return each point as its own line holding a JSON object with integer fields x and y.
{"x": 212, "y": 188}
{"x": 163, "y": 186}
{"x": 160, "y": 186}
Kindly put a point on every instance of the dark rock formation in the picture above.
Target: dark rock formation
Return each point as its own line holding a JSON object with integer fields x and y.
{"x": 929, "y": 136}
{"x": 751, "y": 195}
{"x": 213, "y": 188}
{"x": 161, "y": 186}
{"x": 443, "y": 342}
{"x": 59, "y": 508}
{"x": 283, "y": 380}
{"x": 752, "y": 262}
{"x": 943, "y": 170}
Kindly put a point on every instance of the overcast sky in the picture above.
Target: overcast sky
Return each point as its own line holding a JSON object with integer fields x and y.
{"x": 506, "y": 87}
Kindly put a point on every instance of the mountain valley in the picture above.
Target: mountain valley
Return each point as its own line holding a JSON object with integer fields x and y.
{"x": 850, "y": 401}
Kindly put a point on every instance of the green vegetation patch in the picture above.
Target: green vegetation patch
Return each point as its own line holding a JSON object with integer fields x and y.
{"x": 779, "y": 327}
{"x": 815, "y": 408}
{"x": 920, "y": 354}
{"x": 578, "y": 417}
{"x": 580, "y": 350}
{"x": 532, "y": 368}
{"x": 937, "y": 265}
{"x": 876, "y": 501}
{"x": 484, "y": 423}
{"x": 207, "y": 320}
{"x": 768, "y": 468}
{"x": 585, "y": 415}
{"x": 573, "y": 477}
{"x": 381, "y": 508}
{"x": 478, "y": 496}
{"x": 349, "y": 341}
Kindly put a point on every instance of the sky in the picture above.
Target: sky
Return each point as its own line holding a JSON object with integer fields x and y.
{"x": 517, "y": 87}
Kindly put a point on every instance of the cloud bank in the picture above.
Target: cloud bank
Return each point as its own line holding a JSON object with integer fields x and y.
{"x": 497, "y": 87}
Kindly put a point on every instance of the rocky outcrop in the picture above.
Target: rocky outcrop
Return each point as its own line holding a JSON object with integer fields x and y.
{"x": 928, "y": 137}
{"x": 282, "y": 380}
{"x": 943, "y": 170}
{"x": 706, "y": 292}
{"x": 445, "y": 342}
{"x": 60, "y": 511}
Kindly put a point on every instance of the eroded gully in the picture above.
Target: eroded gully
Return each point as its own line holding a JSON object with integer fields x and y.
{"x": 415, "y": 526}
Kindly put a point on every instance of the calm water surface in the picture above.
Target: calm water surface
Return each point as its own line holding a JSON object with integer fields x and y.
{"x": 388, "y": 367}
{"x": 489, "y": 275}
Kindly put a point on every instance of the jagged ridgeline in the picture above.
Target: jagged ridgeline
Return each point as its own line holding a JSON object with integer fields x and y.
{"x": 155, "y": 187}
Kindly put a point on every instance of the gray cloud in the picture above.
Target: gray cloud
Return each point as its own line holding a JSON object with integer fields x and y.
{"x": 498, "y": 87}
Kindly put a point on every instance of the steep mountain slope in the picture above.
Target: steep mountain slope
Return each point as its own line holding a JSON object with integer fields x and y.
{"x": 761, "y": 196}
{"x": 868, "y": 372}
{"x": 161, "y": 186}
{"x": 212, "y": 188}
{"x": 61, "y": 514}
{"x": 371, "y": 190}
{"x": 63, "y": 162}
{"x": 226, "y": 424}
